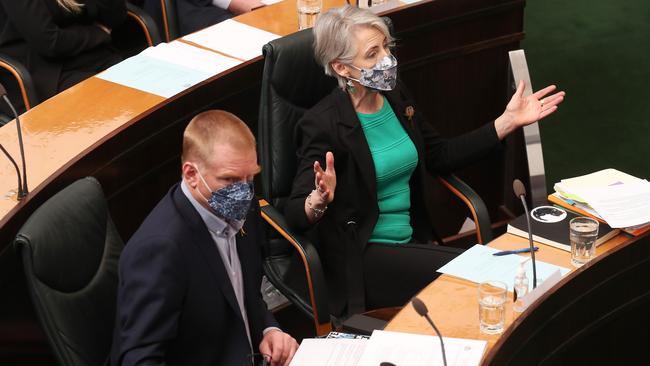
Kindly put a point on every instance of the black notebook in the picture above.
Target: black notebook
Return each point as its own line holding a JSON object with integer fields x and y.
{"x": 547, "y": 230}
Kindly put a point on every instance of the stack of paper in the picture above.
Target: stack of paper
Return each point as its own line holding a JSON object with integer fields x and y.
{"x": 168, "y": 68}
{"x": 617, "y": 198}
{"x": 394, "y": 347}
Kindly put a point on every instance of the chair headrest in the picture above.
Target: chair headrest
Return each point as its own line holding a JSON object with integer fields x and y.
{"x": 294, "y": 73}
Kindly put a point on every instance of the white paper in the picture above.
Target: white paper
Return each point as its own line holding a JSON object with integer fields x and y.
{"x": 621, "y": 205}
{"x": 153, "y": 75}
{"x": 478, "y": 264}
{"x": 270, "y": 2}
{"x": 168, "y": 68}
{"x": 329, "y": 352}
{"x": 233, "y": 38}
{"x": 602, "y": 178}
{"x": 420, "y": 350}
{"x": 183, "y": 54}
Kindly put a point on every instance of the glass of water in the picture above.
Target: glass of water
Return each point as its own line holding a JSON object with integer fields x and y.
{"x": 583, "y": 235}
{"x": 492, "y": 306}
{"x": 308, "y": 12}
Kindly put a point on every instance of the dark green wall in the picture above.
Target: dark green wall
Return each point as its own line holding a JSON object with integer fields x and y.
{"x": 598, "y": 51}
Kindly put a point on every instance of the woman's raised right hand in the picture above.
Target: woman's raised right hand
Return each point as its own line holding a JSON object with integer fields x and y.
{"x": 325, "y": 180}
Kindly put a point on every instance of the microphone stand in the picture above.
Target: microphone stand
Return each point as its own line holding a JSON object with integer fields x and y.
{"x": 22, "y": 190}
{"x": 20, "y": 185}
{"x": 520, "y": 191}
{"x": 422, "y": 310}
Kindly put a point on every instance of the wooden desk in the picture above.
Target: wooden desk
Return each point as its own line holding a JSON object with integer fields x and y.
{"x": 453, "y": 304}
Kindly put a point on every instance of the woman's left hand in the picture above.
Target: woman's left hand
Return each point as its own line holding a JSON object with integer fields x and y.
{"x": 522, "y": 111}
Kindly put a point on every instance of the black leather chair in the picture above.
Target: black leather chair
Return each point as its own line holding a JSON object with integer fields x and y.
{"x": 140, "y": 23}
{"x": 22, "y": 87}
{"x": 170, "y": 24}
{"x": 292, "y": 82}
{"x": 70, "y": 251}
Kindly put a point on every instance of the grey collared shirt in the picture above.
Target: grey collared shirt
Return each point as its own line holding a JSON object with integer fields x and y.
{"x": 223, "y": 234}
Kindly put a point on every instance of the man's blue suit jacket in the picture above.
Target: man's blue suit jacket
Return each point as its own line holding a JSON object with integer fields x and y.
{"x": 176, "y": 305}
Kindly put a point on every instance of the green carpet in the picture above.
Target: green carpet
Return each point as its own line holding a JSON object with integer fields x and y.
{"x": 599, "y": 53}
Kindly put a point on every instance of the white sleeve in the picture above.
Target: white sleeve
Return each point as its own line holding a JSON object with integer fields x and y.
{"x": 223, "y": 4}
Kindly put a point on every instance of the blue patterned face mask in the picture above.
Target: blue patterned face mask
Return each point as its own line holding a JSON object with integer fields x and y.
{"x": 382, "y": 76}
{"x": 232, "y": 201}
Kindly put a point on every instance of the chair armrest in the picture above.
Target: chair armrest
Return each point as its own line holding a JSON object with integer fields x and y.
{"x": 23, "y": 78}
{"x": 170, "y": 20}
{"x": 146, "y": 23}
{"x": 311, "y": 262}
{"x": 475, "y": 204}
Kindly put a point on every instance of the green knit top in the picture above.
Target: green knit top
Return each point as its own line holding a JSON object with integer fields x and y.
{"x": 395, "y": 159}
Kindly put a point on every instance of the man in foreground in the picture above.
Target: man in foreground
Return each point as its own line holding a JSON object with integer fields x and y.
{"x": 189, "y": 278}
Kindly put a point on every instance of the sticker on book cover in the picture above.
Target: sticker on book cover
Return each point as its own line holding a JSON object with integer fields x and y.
{"x": 548, "y": 214}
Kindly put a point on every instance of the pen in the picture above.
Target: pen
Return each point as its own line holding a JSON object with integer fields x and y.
{"x": 522, "y": 250}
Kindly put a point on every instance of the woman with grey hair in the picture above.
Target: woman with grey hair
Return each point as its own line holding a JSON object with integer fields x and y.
{"x": 363, "y": 153}
{"x": 60, "y": 42}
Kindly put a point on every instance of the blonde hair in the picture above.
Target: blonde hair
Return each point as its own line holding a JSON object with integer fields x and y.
{"x": 213, "y": 127}
{"x": 334, "y": 36}
{"x": 70, "y": 5}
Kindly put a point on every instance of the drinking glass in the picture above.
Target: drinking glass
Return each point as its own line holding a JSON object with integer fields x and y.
{"x": 492, "y": 306}
{"x": 583, "y": 235}
{"x": 308, "y": 12}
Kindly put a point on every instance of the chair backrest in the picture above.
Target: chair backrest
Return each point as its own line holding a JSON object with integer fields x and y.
{"x": 20, "y": 87}
{"x": 292, "y": 83}
{"x": 70, "y": 251}
{"x": 596, "y": 315}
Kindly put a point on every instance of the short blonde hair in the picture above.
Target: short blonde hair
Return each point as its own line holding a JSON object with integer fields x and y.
{"x": 213, "y": 127}
{"x": 333, "y": 36}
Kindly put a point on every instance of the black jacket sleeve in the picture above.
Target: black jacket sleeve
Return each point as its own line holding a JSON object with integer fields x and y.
{"x": 151, "y": 283}
{"x": 111, "y": 13}
{"x": 312, "y": 142}
{"x": 444, "y": 155}
{"x": 33, "y": 20}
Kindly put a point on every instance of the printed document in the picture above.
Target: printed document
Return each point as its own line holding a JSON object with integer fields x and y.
{"x": 153, "y": 75}
{"x": 329, "y": 352}
{"x": 233, "y": 38}
{"x": 420, "y": 350}
{"x": 602, "y": 178}
{"x": 621, "y": 205}
{"x": 192, "y": 57}
{"x": 478, "y": 264}
{"x": 168, "y": 68}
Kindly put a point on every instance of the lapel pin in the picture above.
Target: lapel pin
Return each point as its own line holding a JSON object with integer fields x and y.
{"x": 409, "y": 112}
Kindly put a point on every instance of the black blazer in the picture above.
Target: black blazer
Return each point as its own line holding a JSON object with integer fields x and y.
{"x": 332, "y": 125}
{"x": 48, "y": 39}
{"x": 176, "y": 305}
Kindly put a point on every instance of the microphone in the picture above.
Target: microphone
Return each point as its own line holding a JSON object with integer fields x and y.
{"x": 22, "y": 184}
{"x": 422, "y": 310}
{"x": 520, "y": 192}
